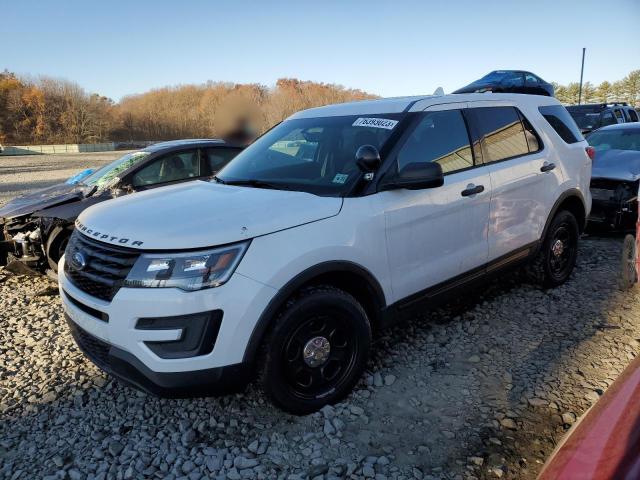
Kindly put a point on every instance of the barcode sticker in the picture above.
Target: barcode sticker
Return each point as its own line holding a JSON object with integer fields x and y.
{"x": 375, "y": 123}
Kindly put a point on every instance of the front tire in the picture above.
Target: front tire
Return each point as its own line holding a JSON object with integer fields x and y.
{"x": 56, "y": 246}
{"x": 557, "y": 256}
{"x": 316, "y": 351}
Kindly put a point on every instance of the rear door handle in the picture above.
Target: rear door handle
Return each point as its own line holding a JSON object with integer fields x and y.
{"x": 472, "y": 190}
{"x": 547, "y": 167}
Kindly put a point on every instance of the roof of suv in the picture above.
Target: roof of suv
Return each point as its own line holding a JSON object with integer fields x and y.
{"x": 417, "y": 103}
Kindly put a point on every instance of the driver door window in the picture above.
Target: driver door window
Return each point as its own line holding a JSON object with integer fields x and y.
{"x": 440, "y": 137}
{"x": 172, "y": 167}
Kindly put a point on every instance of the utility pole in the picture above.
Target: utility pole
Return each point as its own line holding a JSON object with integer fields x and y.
{"x": 581, "y": 74}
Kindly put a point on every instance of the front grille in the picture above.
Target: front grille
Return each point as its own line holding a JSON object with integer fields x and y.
{"x": 105, "y": 266}
{"x": 94, "y": 348}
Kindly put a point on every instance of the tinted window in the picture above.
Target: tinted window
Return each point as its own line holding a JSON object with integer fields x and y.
{"x": 531, "y": 80}
{"x": 633, "y": 115}
{"x": 608, "y": 119}
{"x": 562, "y": 123}
{"x": 169, "y": 168}
{"x": 505, "y": 78}
{"x": 586, "y": 119}
{"x": 217, "y": 158}
{"x": 501, "y": 132}
{"x": 618, "y": 114}
{"x": 439, "y": 137}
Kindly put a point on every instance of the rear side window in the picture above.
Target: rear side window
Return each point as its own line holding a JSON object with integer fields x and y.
{"x": 501, "y": 133}
{"x": 558, "y": 117}
{"x": 608, "y": 119}
{"x": 633, "y": 115}
{"x": 439, "y": 137}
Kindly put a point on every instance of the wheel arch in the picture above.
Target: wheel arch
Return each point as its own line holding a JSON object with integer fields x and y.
{"x": 348, "y": 276}
{"x": 573, "y": 201}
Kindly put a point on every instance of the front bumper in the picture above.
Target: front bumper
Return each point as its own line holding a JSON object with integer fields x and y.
{"x": 114, "y": 328}
{"x": 131, "y": 371}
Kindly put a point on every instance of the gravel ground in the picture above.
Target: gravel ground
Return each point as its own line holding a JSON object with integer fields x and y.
{"x": 482, "y": 388}
{"x": 22, "y": 173}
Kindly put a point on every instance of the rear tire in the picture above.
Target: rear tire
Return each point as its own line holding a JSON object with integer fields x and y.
{"x": 316, "y": 351}
{"x": 557, "y": 256}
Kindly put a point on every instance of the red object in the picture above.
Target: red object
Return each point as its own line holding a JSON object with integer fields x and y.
{"x": 591, "y": 152}
{"x": 605, "y": 443}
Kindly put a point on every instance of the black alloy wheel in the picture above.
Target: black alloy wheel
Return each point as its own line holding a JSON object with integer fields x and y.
{"x": 319, "y": 354}
{"x": 317, "y": 350}
{"x": 559, "y": 251}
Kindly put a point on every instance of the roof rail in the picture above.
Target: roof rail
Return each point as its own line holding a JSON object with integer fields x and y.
{"x": 617, "y": 104}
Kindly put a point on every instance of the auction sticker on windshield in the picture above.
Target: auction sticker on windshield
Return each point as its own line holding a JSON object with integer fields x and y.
{"x": 375, "y": 123}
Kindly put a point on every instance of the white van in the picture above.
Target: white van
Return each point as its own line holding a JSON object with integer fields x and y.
{"x": 334, "y": 223}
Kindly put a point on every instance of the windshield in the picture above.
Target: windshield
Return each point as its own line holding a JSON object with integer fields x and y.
{"x": 315, "y": 155}
{"x": 102, "y": 177}
{"x": 585, "y": 119}
{"x": 615, "y": 140}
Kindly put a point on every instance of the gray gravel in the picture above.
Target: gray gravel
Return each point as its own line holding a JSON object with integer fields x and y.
{"x": 482, "y": 388}
{"x": 23, "y": 173}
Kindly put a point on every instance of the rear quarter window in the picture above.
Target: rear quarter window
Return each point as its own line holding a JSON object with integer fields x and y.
{"x": 560, "y": 120}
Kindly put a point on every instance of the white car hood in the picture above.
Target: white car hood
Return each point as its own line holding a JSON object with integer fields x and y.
{"x": 200, "y": 214}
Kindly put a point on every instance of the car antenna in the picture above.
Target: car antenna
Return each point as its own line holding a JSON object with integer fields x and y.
{"x": 439, "y": 91}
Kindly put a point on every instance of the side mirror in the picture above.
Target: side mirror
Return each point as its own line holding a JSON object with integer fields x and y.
{"x": 368, "y": 158}
{"x": 417, "y": 176}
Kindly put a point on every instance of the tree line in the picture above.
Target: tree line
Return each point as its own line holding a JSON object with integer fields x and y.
{"x": 48, "y": 110}
{"x": 625, "y": 90}
{"x": 58, "y": 111}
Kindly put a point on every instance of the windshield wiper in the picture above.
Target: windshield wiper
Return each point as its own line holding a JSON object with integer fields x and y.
{"x": 217, "y": 179}
{"x": 257, "y": 184}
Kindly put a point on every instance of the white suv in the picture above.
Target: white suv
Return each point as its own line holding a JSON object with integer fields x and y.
{"x": 331, "y": 225}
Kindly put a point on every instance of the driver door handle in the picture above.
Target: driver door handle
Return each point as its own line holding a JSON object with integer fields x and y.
{"x": 472, "y": 190}
{"x": 547, "y": 167}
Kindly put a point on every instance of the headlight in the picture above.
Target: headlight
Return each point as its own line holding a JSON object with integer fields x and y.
{"x": 187, "y": 271}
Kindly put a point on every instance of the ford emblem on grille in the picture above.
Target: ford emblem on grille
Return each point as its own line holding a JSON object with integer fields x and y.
{"x": 78, "y": 261}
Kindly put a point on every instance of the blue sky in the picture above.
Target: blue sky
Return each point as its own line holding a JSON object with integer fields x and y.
{"x": 384, "y": 47}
